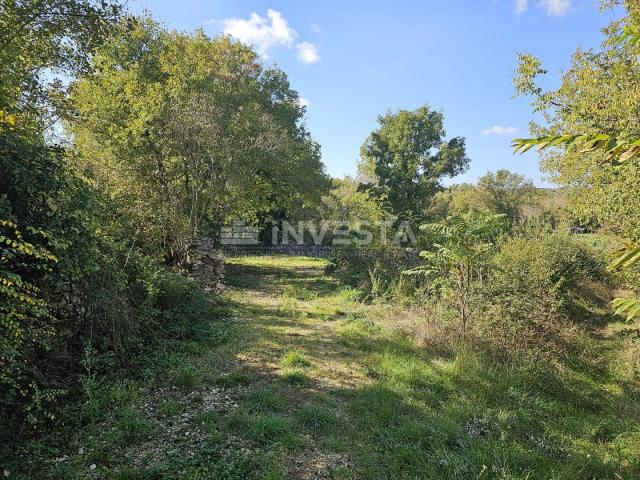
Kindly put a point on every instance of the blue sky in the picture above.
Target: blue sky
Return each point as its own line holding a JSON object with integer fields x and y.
{"x": 353, "y": 60}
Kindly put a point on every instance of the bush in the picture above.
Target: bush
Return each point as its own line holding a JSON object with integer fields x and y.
{"x": 537, "y": 294}
{"x": 72, "y": 275}
{"x": 52, "y": 254}
{"x": 376, "y": 269}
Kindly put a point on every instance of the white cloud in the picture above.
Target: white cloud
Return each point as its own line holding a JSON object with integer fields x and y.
{"x": 307, "y": 52}
{"x": 304, "y": 102}
{"x": 263, "y": 33}
{"x": 521, "y": 6}
{"x": 315, "y": 28}
{"x": 499, "y": 130}
{"x": 555, "y": 7}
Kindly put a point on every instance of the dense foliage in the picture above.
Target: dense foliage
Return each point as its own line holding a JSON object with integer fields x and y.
{"x": 502, "y": 192}
{"x": 596, "y": 107}
{"x": 404, "y": 160}
{"x": 165, "y": 146}
{"x": 593, "y": 121}
{"x": 348, "y": 202}
{"x": 122, "y": 142}
{"x": 50, "y": 246}
{"x": 186, "y": 132}
{"x": 537, "y": 287}
{"x": 459, "y": 253}
{"x": 42, "y": 41}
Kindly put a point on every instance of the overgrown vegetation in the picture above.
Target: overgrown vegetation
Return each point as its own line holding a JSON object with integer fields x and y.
{"x": 483, "y": 345}
{"x": 342, "y": 388}
{"x": 95, "y": 222}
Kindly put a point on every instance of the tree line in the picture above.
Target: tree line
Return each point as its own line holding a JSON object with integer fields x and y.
{"x": 122, "y": 141}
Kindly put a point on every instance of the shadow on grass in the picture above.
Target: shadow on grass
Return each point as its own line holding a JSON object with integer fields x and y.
{"x": 411, "y": 414}
{"x": 465, "y": 416}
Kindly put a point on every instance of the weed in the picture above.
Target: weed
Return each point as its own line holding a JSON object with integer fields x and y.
{"x": 208, "y": 421}
{"x": 187, "y": 378}
{"x": 169, "y": 408}
{"x": 262, "y": 428}
{"x": 316, "y": 418}
{"x": 295, "y": 377}
{"x": 297, "y": 292}
{"x": 263, "y": 400}
{"x": 233, "y": 379}
{"x": 295, "y": 359}
{"x": 131, "y": 428}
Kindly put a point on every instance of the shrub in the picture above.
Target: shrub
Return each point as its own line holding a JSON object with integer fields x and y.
{"x": 461, "y": 250}
{"x": 50, "y": 250}
{"x": 182, "y": 307}
{"x": 26, "y": 322}
{"x": 72, "y": 277}
{"x": 536, "y": 293}
{"x": 376, "y": 269}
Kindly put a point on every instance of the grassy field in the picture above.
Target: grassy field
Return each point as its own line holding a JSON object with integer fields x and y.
{"x": 295, "y": 377}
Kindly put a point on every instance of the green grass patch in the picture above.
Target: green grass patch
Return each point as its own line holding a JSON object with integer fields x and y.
{"x": 316, "y": 418}
{"x": 295, "y": 377}
{"x": 295, "y": 359}
{"x": 131, "y": 428}
{"x": 298, "y": 292}
{"x": 208, "y": 421}
{"x": 233, "y": 379}
{"x": 412, "y": 412}
{"x": 187, "y": 378}
{"x": 169, "y": 408}
{"x": 263, "y": 400}
{"x": 263, "y": 428}
{"x": 133, "y": 474}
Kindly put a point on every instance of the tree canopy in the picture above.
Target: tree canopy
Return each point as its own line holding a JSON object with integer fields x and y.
{"x": 597, "y": 104}
{"x": 407, "y": 156}
{"x": 187, "y": 132}
{"x": 348, "y": 202}
{"x": 41, "y": 42}
{"x": 596, "y": 108}
{"x": 505, "y": 192}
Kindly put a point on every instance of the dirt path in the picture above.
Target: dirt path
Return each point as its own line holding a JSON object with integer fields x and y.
{"x": 293, "y": 377}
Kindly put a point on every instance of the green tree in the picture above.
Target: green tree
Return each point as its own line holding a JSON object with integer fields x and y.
{"x": 455, "y": 200}
{"x": 347, "y": 202}
{"x": 506, "y": 192}
{"x": 461, "y": 248}
{"x": 596, "y": 105}
{"x": 186, "y": 132}
{"x": 406, "y": 158}
{"x": 42, "y": 41}
{"x": 592, "y": 141}
{"x": 501, "y": 192}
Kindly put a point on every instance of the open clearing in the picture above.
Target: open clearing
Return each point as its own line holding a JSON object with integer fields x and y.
{"x": 296, "y": 377}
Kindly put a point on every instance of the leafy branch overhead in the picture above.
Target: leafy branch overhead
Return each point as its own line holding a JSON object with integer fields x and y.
{"x": 614, "y": 151}
{"x": 613, "y": 148}
{"x": 600, "y": 76}
{"x": 631, "y": 35}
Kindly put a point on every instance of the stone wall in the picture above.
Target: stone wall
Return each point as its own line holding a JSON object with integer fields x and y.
{"x": 205, "y": 264}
